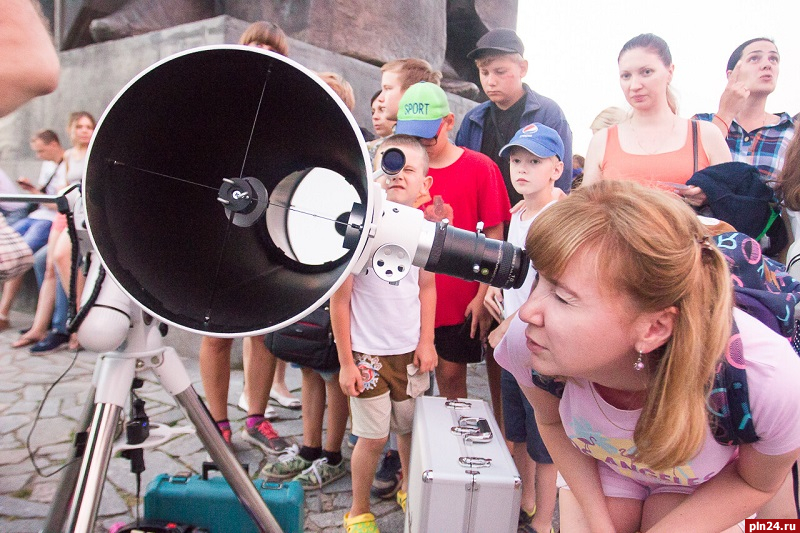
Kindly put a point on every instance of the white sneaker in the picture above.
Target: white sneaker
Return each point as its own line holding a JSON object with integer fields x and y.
{"x": 270, "y": 413}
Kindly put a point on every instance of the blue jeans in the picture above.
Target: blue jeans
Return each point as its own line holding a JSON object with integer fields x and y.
{"x": 59, "y": 320}
{"x": 12, "y": 217}
{"x": 34, "y": 231}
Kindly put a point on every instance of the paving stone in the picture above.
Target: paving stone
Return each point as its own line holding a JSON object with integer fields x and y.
{"x": 72, "y": 412}
{"x": 49, "y": 431}
{"x": 289, "y": 428}
{"x": 171, "y": 416}
{"x": 8, "y": 441}
{"x": 11, "y": 484}
{"x": 51, "y": 408}
{"x": 182, "y": 445}
{"x": 392, "y": 522}
{"x": 10, "y": 457}
{"x": 60, "y": 448}
{"x": 156, "y": 462}
{"x": 343, "y": 500}
{"x": 20, "y": 526}
{"x": 384, "y": 507}
{"x": 7, "y": 398}
{"x": 8, "y": 384}
{"x": 43, "y": 491}
{"x": 23, "y": 467}
{"x": 70, "y": 388}
{"x": 17, "y": 507}
{"x": 329, "y": 519}
{"x": 158, "y": 395}
{"x": 24, "y": 406}
{"x": 33, "y": 392}
{"x": 13, "y": 422}
{"x": 112, "y": 503}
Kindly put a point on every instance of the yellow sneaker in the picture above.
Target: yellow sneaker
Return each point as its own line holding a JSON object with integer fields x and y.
{"x": 402, "y": 498}
{"x": 363, "y": 523}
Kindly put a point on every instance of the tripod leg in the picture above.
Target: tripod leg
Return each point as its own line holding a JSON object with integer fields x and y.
{"x": 176, "y": 381}
{"x": 89, "y": 488}
{"x": 114, "y": 376}
{"x": 54, "y": 523}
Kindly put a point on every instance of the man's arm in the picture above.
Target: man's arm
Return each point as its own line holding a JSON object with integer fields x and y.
{"x": 28, "y": 62}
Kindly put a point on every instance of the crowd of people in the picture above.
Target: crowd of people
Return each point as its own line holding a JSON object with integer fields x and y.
{"x": 602, "y": 365}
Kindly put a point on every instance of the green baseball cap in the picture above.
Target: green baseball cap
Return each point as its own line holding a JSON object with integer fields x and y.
{"x": 421, "y": 110}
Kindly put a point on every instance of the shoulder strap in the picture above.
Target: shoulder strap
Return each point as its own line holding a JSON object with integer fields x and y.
{"x": 694, "y": 145}
{"x": 44, "y": 187}
{"x": 729, "y": 398}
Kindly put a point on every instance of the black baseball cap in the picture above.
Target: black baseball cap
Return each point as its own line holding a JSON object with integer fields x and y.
{"x": 499, "y": 40}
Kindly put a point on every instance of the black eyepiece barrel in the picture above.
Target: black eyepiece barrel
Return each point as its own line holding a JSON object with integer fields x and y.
{"x": 473, "y": 257}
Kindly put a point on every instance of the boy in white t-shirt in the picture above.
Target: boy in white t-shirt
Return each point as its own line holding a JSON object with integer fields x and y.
{"x": 535, "y": 153}
{"x": 380, "y": 330}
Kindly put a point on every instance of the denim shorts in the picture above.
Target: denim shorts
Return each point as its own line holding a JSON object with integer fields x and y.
{"x": 520, "y": 423}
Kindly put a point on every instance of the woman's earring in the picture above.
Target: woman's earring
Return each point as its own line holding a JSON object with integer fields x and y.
{"x": 639, "y": 364}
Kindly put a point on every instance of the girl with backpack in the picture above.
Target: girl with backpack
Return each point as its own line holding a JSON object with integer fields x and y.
{"x": 617, "y": 350}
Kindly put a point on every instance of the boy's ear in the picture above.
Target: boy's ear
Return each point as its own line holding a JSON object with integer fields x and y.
{"x": 558, "y": 169}
{"x": 426, "y": 184}
{"x": 423, "y": 196}
{"x": 523, "y": 66}
{"x": 449, "y": 122}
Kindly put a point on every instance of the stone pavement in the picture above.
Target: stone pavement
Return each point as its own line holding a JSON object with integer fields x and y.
{"x": 25, "y": 494}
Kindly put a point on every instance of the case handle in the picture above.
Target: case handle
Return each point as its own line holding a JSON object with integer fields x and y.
{"x": 209, "y": 466}
{"x": 475, "y": 462}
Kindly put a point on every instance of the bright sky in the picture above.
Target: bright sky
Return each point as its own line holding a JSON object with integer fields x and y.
{"x": 572, "y": 48}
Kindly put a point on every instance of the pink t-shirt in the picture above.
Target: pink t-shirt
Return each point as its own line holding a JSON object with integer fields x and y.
{"x": 596, "y": 428}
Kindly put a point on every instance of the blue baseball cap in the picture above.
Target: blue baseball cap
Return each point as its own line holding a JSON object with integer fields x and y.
{"x": 421, "y": 110}
{"x": 538, "y": 139}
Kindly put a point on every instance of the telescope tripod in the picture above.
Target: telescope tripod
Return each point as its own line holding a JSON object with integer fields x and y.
{"x": 78, "y": 495}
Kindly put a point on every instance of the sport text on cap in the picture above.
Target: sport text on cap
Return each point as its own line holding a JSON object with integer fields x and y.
{"x": 421, "y": 110}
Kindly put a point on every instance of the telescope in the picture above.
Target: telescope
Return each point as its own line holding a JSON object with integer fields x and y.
{"x": 229, "y": 192}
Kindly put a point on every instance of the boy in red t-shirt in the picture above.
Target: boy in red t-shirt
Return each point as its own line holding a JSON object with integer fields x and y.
{"x": 471, "y": 185}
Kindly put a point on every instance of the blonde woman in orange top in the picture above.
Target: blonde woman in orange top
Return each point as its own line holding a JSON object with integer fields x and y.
{"x": 653, "y": 145}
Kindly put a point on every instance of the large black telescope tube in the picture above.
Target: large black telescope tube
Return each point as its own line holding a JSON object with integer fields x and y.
{"x": 155, "y": 182}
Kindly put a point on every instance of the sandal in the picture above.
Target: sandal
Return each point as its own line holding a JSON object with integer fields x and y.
{"x": 402, "y": 499}
{"x": 24, "y": 341}
{"x": 289, "y": 402}
{"x": 363, "y": 523}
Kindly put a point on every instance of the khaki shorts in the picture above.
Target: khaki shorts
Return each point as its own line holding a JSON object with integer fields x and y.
{"x": 383, "y": 406}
